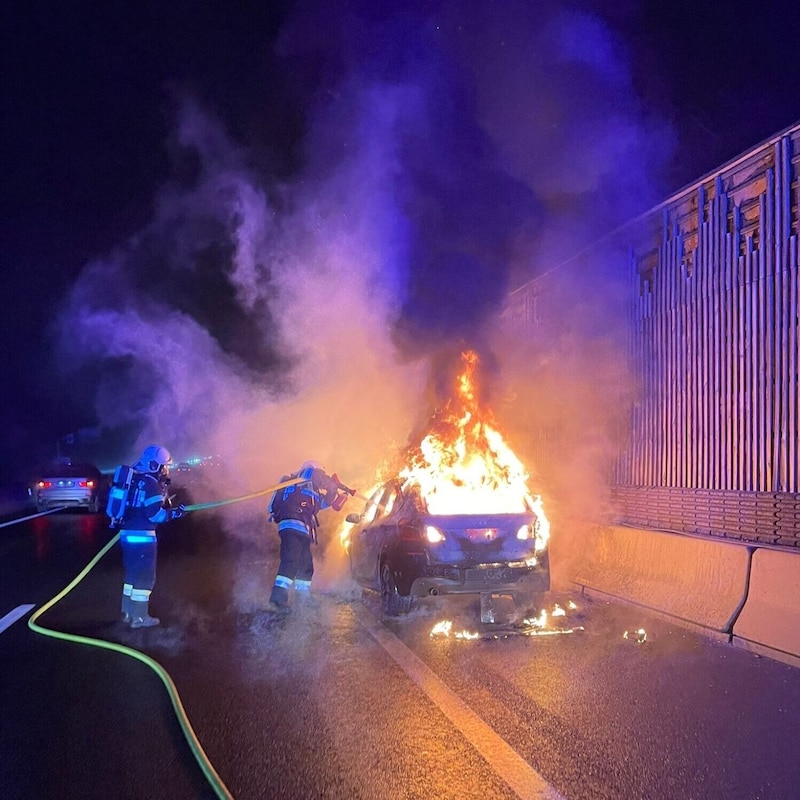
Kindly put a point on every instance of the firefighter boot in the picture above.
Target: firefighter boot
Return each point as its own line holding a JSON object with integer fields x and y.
{"x": 279, "y": 597}
{"x": 303, "y": 596}
{"x": 139, "y": 616}
{"x": 126, "y": 608}
{"x": 307, "y": 600}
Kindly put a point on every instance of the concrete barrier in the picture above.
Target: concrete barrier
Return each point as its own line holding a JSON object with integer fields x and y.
{"x": 697, "y": 581}
{"x": 770, "y": 620}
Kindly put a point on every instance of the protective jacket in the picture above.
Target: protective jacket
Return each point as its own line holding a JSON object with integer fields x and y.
{"x": 295, "y": 507}
{"x": 149, "y": 506}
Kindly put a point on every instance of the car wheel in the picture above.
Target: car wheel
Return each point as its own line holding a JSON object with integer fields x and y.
{"x": 94, "y": 506}
{"x": 392, "y": 601}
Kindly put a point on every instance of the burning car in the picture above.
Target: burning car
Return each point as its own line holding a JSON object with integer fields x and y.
{"x": 400, "y": 549}
{"x": 456, "y": 518}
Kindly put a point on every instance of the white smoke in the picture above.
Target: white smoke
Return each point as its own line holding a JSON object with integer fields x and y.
{"x": 316, "y": 274}
{"x": 257, "y": 318}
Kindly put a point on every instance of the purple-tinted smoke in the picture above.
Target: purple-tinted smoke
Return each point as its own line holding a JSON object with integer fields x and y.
{"x": 449, "y": 150}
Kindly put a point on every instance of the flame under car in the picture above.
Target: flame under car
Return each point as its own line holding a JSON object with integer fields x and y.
{"x": 400, "y": 550}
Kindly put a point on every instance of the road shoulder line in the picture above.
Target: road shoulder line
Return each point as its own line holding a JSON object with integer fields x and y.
{"x": 9, "y": 619}
{"x": 525, "y": 781}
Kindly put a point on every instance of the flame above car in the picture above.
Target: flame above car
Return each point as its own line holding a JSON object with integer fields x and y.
{"x": 463, "y": 464}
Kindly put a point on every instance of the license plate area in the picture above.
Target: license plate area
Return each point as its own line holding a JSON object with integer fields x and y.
{"x": 481, "y": 534}
{"x": 492, "y": 574}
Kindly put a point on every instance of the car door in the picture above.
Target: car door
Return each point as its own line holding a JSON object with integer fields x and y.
{"x": 375, "y": 526}
{"x": 361, "y": 538}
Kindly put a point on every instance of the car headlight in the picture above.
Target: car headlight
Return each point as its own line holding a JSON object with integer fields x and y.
{"x": 433, "y": 535}
{"x": 533, "y": 531}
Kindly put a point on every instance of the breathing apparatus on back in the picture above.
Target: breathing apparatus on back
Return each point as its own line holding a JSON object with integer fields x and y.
{"x": 154, "y": 461}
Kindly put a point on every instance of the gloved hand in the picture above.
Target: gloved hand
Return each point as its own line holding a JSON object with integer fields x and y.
{"x": 341, "y": 486}
{"x": 177, "y": 513}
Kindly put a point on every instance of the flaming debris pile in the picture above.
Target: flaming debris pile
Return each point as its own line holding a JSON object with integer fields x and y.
{"x": 463, "y": 465}
{"x": 534, "y": 626}
{"x": 639, "y": 636}
{"x": 445, "y": 628}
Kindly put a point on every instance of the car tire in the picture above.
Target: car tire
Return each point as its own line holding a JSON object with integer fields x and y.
{"x": 94, "y": 506}
{"x": 394, "y": 604}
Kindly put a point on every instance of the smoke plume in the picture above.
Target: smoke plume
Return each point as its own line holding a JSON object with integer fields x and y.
{"x": 448, "y": 152}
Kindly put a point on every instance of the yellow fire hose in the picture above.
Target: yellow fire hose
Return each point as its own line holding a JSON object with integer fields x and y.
{"x": 202, "y": 759}
{"x": 216, "y": 503}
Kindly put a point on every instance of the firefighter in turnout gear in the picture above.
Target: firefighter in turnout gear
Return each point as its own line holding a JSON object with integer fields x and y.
{"x": 295, "y": 509}
{"x": 148, "y": 504}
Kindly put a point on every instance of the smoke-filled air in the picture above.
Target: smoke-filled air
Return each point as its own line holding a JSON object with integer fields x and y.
{"x": 448, "y": 152}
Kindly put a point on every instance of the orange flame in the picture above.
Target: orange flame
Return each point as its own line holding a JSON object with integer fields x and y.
{"x": 464, "y": 466}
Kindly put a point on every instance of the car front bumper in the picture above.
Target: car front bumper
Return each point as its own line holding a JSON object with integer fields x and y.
{"x": 477, "y": 580}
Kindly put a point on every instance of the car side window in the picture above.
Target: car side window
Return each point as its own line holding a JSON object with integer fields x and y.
{"x": 372, "y": 506}
{"x": 389, "y": 501}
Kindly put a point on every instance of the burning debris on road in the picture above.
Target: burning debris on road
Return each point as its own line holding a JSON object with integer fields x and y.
{"x": 540, "y": 625}
{"x": 639, "y": 636}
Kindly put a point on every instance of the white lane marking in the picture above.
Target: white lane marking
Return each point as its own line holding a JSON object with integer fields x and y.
{"x": 32, "y": 516}
{"x": 9, "y": 619}
{"x": 525, "y": 781}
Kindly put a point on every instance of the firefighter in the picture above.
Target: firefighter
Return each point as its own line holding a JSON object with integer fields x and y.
{"x": 149, "y": 505}
{"x": 295, "y": 509}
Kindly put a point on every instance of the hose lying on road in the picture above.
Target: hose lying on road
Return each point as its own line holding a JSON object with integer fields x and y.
{"x": 202, "y": 759}
{"x": 205, "y": 765}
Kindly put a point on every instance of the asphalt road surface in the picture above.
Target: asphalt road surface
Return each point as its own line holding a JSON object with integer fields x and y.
{"x": 337, "y": 702}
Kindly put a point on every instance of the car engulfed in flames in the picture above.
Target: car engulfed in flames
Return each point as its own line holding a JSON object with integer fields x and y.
{"x": 457, "y": 518}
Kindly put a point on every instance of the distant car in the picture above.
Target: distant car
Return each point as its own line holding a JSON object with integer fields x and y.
{"x": 398, "y": 549}
{"x": 184, "y": 471}
{"x": 69, "y": 485}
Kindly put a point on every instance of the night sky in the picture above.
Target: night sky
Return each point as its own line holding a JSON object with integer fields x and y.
{"x": 123, "y": 121}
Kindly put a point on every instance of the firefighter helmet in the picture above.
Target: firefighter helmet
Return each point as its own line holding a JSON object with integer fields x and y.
{"x": 312, "y": 465}
{"x": 154, "y": 459}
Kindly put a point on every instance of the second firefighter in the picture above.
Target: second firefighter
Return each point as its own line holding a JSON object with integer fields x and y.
{"x": 295, "y": 509}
